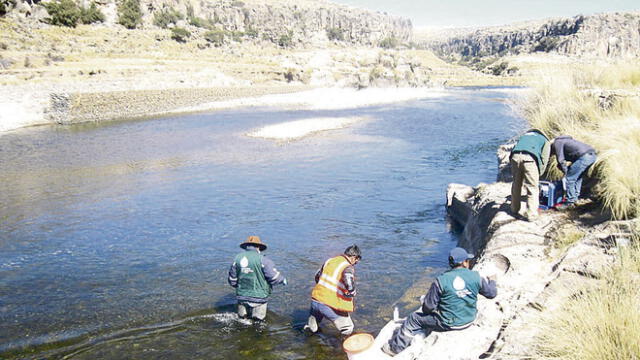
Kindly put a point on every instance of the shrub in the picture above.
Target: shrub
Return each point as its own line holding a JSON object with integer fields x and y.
{"x": 335, "y": 34}
{"x": 167, "y": 16}
{"x": 63, "y": 13}
{"x": 389, "y": 42}
{"x": 129, "y": 14}
{"x": 6, "y": 5}
{"x": 251, "y": 33}
{"x": 180, "y": 35}
{"x": 286, "y": 40}
{"x": 91, "y": 15}
{"x": 215, "y": 37}
{"x": 198, "y": 22}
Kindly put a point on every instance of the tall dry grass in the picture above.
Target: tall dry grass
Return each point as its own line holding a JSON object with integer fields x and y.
{"x": 598, "y": 323}
{"x": 601, "y": 107}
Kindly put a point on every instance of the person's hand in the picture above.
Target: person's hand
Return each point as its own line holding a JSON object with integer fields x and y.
{"x": 422, "y": 299}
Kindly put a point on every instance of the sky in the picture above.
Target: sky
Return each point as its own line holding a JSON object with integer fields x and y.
{"x": 461, "y": 13}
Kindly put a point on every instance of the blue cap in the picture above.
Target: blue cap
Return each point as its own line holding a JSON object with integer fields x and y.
{"x": 458, "y": 255}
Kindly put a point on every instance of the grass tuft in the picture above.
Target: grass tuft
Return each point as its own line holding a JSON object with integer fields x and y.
{"x": 598, "y": 323}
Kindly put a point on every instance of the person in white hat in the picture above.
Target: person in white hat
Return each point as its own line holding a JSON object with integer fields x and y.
{"x": 253, "y": 275}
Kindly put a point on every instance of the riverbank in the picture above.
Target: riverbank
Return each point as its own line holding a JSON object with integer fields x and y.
{"x": 549, "y": 261}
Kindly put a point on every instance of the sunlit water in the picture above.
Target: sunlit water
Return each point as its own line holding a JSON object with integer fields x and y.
{"x": 115, "y": 239}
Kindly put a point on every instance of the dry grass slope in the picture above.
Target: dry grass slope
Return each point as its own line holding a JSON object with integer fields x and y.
{"x": 601, "y": 323}
{"x": 599, "y": 106}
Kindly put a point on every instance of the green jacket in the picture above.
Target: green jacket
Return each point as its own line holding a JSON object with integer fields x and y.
{"x": 460, "y": 288}
{"x": 534, "y": 143}
{"x": 251, "y": 280}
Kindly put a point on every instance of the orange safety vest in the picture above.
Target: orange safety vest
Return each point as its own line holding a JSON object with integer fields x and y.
{"x": 330, "y": 289}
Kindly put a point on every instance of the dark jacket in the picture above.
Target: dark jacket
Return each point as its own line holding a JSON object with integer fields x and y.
{"x": 567, "y": 148}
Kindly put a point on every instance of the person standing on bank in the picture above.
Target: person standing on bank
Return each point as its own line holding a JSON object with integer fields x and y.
{"x": 333, "y": 295}
{"x": 529, "y": 159}
{"x": 581, "y": 156}
{"x": 450, "y": 303}
{"x": 253, "y": 275}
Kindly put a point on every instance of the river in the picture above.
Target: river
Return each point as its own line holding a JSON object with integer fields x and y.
{"x": 116, "y": 238}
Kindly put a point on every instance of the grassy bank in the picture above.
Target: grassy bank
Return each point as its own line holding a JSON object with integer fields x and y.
{"x": 599, "y": 106}
{"x": 601, "y": 322}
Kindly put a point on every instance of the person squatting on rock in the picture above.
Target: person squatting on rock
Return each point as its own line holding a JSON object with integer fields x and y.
{"x": 253, "y": 275}
{"x": 581, "y": 156}
{"x": 333, "y": 295}
{"x": 450, "y": 303}
{"x": 528, "y": 159}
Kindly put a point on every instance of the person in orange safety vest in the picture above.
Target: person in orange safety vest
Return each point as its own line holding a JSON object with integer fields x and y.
{"x": 332, "y": 296}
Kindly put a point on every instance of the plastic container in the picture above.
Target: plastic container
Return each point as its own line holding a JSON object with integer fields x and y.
{"x": 356, "y": 346}
{"x": 550, "y": 194}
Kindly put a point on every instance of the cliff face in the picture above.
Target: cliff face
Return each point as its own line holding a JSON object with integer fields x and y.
{"x": 304, "y": 21}
{"x": 604, "y": 35}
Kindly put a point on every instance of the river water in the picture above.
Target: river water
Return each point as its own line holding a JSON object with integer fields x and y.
{"x": 116, "y": 238}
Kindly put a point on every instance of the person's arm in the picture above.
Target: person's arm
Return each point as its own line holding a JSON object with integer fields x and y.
{"x": 432, "y": 299}
{"x": 272, "y": 274}
{"x": 544, "y": 157}
{"x": 558, "y": 148}
{"x": 233, "y": 273}
{"x": 488, "y": 288}
{"x": 349, "y": 280}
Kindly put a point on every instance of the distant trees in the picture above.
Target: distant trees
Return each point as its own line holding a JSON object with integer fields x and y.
{"x": 180, "y": 35}
{"x": 166, "y": 17}
{"x": 129, "y": 14}
{"x": 68, "y": 13}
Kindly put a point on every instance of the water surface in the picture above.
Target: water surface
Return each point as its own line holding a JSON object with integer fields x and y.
{"x": 115, "y": 239}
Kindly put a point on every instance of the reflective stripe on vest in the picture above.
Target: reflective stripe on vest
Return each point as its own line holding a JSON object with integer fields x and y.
{"x": 330, "y": 290}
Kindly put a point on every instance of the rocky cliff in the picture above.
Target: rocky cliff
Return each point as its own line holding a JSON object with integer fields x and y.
{"x": 613, "y": 35}
{"x": 304, "y": 22}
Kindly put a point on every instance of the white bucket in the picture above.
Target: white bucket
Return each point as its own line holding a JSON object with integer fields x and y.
{"x": 357, "y": 346}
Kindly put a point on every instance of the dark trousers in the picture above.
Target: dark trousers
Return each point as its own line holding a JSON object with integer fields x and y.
{"x": 416, "y": 322}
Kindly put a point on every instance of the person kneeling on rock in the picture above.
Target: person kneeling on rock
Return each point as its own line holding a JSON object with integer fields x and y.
{"x": 450, "y": 303}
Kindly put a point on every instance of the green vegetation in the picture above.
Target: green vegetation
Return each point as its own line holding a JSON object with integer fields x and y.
{"x": 166, "y": 17}
{"x": 601, "y": 322}
{"x": 286, "y": 40}
{"x": 6, "y": 5}
{"x": 62, "y": 13}
{"x": 129, "y": 14}
{"x": 609, "y": 120}
{"x": 91, "y": 15}
{"x": 335, "y": 34}
{"x": 215, "y": 37}
{"x": 180, "y": 35}
{"x": 389, "y": 43}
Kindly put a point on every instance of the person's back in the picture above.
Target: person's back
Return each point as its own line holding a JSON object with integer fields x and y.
{"x": 528, "y": 161}
{"x": 332, "y": 296}
{"x": 460, "y": 288}
{"x": 253, "y": 276}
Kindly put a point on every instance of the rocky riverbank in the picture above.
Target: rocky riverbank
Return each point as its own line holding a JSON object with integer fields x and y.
{"x": 548, "y": 261}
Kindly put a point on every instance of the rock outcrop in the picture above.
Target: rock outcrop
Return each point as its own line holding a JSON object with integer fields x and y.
{"x": 614, "y": 35}
{"x": 300, "y": 22}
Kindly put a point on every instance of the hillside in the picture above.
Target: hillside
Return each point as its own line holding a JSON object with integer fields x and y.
{"x": 609, "y": 35}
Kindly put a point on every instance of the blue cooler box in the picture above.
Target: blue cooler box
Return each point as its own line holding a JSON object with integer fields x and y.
{"x": 551, "y": 193}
